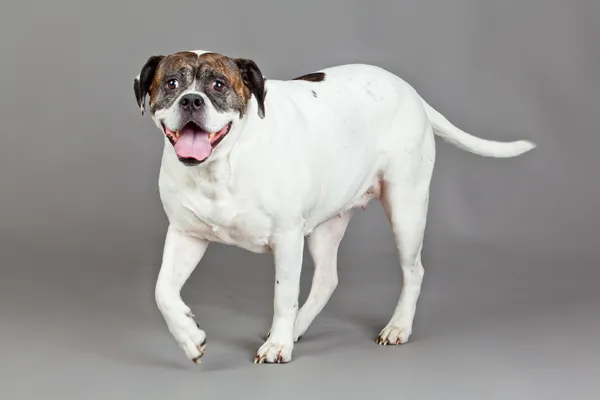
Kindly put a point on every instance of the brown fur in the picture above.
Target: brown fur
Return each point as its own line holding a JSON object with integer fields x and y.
{"x": 224, "y": 65}
{"x": 227, "y": 67}
{"x": 313, "y": 77}
{"x": 170, "y": 63}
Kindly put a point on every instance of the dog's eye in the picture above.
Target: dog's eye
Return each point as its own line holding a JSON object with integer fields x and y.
{"x": 173, "y": 84}
{"x": 218, "y": 85}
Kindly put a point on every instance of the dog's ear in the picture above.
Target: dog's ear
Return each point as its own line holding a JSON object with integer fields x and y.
{"x": 141, "y": 84}
{"x": 255, "y": 81}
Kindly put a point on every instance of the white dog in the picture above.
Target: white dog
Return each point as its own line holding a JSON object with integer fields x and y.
{"x": 262, "y": 164}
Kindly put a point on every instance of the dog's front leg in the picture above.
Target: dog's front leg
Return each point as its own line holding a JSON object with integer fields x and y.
{"x": 181, "y": 255}
{"x": 287, "y": 249}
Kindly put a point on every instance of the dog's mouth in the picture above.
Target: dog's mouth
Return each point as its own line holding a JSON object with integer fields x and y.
{"x": 193, "y": 144}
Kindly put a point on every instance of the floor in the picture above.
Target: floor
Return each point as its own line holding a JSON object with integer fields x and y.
{"x": 489, "y": 325}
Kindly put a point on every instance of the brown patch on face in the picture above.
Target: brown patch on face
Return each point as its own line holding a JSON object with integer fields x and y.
{"x": 313, "y": 77}
{"x": 229, "y": 83}
{"x": 228, "y": 68}
{"x": 169, "y": 65}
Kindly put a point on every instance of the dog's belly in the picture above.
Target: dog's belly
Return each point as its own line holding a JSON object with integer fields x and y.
{"x": 334, "y": 206}
{"x": 241, "y": 223}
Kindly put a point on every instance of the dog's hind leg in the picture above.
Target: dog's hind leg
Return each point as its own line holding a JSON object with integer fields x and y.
{"x": 323, "y": 246}
{"x": 405, "y": 198}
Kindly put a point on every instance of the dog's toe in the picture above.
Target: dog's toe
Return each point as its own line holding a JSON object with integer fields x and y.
{"x": 274, "y": 353}
{"x": 201, "y": 350}
{"x": 393, "y": 335}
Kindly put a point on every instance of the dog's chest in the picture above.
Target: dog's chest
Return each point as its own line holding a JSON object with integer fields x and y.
{"x": 215, "y": 212}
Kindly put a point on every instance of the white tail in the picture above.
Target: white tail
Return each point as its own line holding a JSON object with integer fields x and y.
{"x": 487, "y": 148}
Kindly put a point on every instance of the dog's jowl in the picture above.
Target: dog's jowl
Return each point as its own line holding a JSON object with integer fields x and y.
{"x": 269, "y": 165}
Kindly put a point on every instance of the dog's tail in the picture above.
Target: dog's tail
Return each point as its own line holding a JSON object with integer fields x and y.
{"x": 463, "y": 140}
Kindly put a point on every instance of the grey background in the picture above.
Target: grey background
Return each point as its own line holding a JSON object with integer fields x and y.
{"x": 510, "y": 303}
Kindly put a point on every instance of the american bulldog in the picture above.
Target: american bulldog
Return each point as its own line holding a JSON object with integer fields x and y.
{"x": 265, "y": 164}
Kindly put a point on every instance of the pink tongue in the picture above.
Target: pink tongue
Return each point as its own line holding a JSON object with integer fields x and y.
{"x": 193, "y": 144}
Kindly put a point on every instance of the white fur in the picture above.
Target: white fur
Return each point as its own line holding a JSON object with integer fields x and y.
{"x": 301, "y": 171}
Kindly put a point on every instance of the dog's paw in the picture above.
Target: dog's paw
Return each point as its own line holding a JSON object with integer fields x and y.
{"x": 274, "y": 353}
{"x": 193, "y": 344}
{"x": 393, "y": 335}
{"x": 189, "y": 336}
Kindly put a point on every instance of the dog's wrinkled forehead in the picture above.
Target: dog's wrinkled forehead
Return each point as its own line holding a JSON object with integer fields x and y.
{"x": 189, "y": 71}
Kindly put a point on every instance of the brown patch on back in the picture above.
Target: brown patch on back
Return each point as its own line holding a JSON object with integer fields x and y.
{"x": 313, "y": 77}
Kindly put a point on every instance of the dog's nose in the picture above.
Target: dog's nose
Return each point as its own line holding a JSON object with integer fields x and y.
{"x": 191, "y": 102}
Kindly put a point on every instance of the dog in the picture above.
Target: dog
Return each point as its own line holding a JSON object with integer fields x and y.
{"x": 266, "y": 164}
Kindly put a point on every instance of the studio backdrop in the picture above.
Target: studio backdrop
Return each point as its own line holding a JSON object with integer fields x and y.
{"x": 79, "y": 164}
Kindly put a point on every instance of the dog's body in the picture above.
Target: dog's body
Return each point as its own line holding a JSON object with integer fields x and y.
{"x": 292, "y": 160}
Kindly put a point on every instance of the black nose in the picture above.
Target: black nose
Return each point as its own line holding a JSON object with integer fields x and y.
{"x": 191, "y": 102}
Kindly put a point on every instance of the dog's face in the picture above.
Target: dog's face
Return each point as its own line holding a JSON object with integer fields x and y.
{"x": 196, "y": 98}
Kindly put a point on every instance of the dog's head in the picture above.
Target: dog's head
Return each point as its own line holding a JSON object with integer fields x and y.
{"x": 196, "y": 98}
